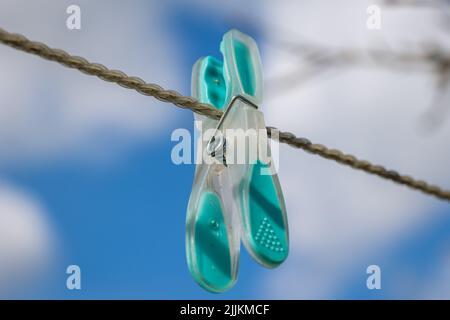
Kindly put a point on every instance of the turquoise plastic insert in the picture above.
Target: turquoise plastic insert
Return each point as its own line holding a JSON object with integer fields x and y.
{"x": 245, "y": 67}
{"x": 210, "y": 86}
{"x": 267, "y": 234}
{"x": 211, "y": 244}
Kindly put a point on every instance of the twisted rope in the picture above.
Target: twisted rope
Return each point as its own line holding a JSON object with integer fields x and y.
{"x": 363, "y": 165}
{"x": 20, "y": 42}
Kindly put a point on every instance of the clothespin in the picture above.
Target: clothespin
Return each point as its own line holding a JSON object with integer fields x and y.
{"x": 232, "y": 201}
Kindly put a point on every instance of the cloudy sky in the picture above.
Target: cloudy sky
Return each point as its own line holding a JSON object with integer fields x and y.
{"x": 86, "y": 176}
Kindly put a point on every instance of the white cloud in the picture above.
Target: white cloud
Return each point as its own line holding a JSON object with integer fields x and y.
{"x": 26, "y": 239}
{"x": 337, "y": 215}
{"x": 47, "y": 111}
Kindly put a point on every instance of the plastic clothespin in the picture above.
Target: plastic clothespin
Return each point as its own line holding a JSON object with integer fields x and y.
{"x": 234, "y": 201}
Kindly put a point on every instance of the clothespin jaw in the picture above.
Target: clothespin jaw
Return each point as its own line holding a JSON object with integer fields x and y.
{"x": 237, "y": 200}
{"x": 242, "y": 67}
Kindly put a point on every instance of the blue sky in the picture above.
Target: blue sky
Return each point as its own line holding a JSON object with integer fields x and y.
{"x": 117, "y": 203}
{"x": 124, "y": 225}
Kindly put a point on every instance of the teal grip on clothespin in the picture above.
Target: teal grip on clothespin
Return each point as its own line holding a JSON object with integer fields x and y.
{"x": 264, "y": 219}
{"x": 208, "y": 82}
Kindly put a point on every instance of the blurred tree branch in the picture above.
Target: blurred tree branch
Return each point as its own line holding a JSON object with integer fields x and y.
{"x": 316, "y": 60}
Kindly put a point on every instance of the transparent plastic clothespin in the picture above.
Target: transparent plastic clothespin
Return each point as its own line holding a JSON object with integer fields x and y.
{"x": 233, "y": 196}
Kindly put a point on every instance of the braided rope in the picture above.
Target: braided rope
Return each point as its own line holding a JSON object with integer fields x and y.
{"x": 363, "y": 165}
{"x": 20, "y": 42}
